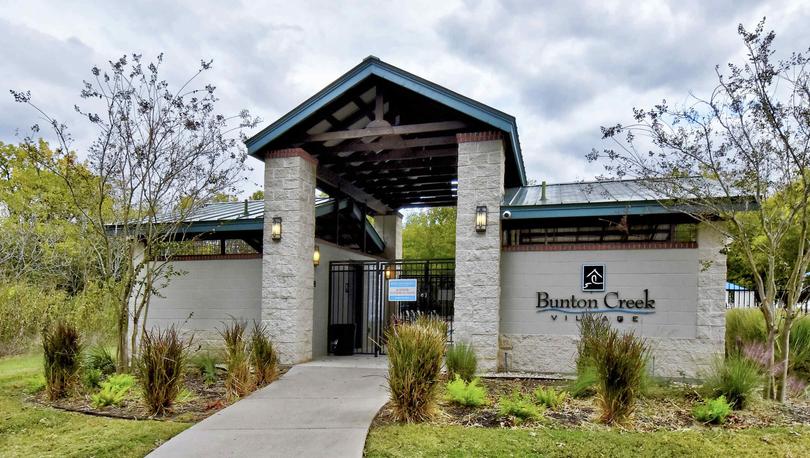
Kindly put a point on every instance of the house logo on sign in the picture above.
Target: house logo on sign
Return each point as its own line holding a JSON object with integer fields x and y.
{"x": 593, "y": 277}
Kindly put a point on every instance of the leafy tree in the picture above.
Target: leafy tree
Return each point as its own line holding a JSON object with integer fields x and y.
{"x": 258, "y": 195}
{"x": 748, "y": 141}
{"x": 430, "y": 234}
{"x": 158, "y": 156}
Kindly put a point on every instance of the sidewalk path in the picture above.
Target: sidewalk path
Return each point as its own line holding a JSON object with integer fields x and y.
{"x": 322, "y": 408}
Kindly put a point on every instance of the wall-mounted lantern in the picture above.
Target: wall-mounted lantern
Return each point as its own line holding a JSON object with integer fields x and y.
{"x": 481, "y": 218}
{"x": 316, "y": 256}
{"x": 275, "y": 228}
{"x": 390, "y": 271}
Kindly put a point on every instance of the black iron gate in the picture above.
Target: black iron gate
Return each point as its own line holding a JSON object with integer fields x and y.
{"x": 359, "y": 309}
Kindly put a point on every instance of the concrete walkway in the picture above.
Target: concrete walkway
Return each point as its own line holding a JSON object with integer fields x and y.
{"x": 322, "y": 408}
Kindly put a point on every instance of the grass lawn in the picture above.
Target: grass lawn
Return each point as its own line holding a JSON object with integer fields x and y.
{"x": 427, "y": 440}
{"x": 30, "y": 430}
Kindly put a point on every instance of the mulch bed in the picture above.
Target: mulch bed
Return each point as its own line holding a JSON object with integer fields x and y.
{"x": 205, "y": 400}
{"x": 666, "y": 408}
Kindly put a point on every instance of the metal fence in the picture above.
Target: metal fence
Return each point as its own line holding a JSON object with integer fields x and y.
{"x": 359, "y": 309}
{"x": 748, "y": 298}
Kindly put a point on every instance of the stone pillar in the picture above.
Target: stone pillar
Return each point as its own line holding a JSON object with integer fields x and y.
{"x": 478, "y": 254}
{"x": 711, "y": 295}
{"x": 390, "y": 228}
{"x": 287, "y": 270}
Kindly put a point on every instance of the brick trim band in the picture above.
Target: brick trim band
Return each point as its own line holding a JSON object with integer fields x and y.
{"x": 604, "y": 246}
{"x": 291, "y": 152}
{"x": 470, "y": 137}
{"x": 214, "y": 257}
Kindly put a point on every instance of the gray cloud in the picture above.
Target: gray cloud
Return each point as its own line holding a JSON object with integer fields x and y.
{"x": 562, "y": 68}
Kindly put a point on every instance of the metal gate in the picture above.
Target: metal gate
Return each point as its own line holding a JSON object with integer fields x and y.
{"x": 359, "y": 309}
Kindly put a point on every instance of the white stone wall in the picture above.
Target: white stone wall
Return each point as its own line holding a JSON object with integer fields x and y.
{"x": 320, "y": 310}
{"x": 287, "y": 270}
{"x": 478, "y": 279}
{"x": 685, "y": 332}
{"x": 209, "y": 293}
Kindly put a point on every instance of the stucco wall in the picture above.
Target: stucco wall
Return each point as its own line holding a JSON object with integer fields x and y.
{"x": 320, "y": 308}
{"x": 685, "y": 331}
{"x": 208, "y": 294}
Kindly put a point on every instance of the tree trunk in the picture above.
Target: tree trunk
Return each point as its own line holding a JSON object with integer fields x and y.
{"x": 785, "y": 346}
{"x": 770, "y": 347}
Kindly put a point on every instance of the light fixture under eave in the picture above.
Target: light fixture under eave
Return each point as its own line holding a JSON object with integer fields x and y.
{"x": 316, "y": 256}
{"x": 275, "y": 228}
{"x": 481, "y": 218}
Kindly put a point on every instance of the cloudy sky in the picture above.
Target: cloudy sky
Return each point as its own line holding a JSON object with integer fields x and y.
{"x": 562, "y": 68}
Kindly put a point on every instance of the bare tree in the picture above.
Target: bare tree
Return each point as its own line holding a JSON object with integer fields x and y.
{"x": 746, "y": 143}
{"x": 159, "y": 155}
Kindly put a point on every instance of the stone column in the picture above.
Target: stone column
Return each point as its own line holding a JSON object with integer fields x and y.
{"x": 478, "y": 254}
{"x": 287, "y": 270}
{"x": 711, "y": 296}
{"x": 390, "y": 228}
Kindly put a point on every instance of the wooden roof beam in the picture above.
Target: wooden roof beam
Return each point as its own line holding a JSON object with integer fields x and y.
{"x": 380, "y": 131}
{"x": 336, "y": 181}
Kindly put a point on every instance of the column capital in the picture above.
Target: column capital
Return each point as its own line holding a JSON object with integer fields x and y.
{"x": 470, "y": 137}
{"x": 291, "y": 152}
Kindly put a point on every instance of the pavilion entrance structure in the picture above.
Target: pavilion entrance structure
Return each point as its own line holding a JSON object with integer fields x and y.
{"x": 380, "y": 140}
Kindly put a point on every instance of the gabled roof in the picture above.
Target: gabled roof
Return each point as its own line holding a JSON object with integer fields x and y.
{"x": 374, "y": 67}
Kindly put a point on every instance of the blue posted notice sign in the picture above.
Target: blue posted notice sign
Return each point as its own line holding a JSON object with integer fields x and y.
{"x": 402, "y": 290}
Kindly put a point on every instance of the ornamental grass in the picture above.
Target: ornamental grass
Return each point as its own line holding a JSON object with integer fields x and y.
{"x": 62, "y": 348}
{"x": 620, "y": 362}
{"x": 461, "y": 361}
{"x": 162, "y": 358}
{"x": 415, "y": 353}
{"x": 263, "y": 355}
{"x": 238, "y": 381}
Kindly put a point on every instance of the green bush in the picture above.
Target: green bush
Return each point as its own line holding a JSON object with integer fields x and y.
{"x": 263, "y": 355}
{"x": 415, "y": 353}
{"x": 113, "y": 391}
{"x": 91, "y": 377}
{"x": 518, "y": 406}
{"x": 238, "y": 381}
{"x": 62, "y": 349}
{"x": 743, "y": 326}
{"x": 25, "y": 309}
{"x": 549, "y": 397}
{"x": 206, "y": 365}
{"x": 736, "y": 378}
{"x": 800, "y": 347}
{"x": 593, "y": 330}
{"x": 162, "y": 358}
{"x": 469, "y": 394}
{"x": 620, "y": 363}
{"x": 100, "y": 358}
{"x": 461, "y": 361}
{"x": 712, "y": 411}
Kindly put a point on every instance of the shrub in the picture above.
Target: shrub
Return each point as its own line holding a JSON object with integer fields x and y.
{"x": 91, "y": 377}
{"x": 743, "y": 326}
{"x": 415, "y": 352}
{"x": 238, "y": 381}
{"x": 712, "y": 411}
{"x": 206, "y": 365}
{"x": 461, "y": 361}
{"x": 518, "y": 406}
{"x": 736, "y": 377}
{"x": 800, "y": 346}
{"x": 100, "y": 358}
{"x": 470, "y": 394}
{"x": 163, "y": 356}
{"x": 620, "y": 366}
{"x": 550, "y": 397}
{"x": 263, "y": 355}
{"x": 62, "y": 349}
{"x": 113, "y": 391}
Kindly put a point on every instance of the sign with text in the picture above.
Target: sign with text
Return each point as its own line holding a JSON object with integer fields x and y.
{"x": 402, "y": 290}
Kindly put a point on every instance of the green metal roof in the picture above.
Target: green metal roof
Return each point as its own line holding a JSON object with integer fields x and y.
{"x": 374, "y": 66}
